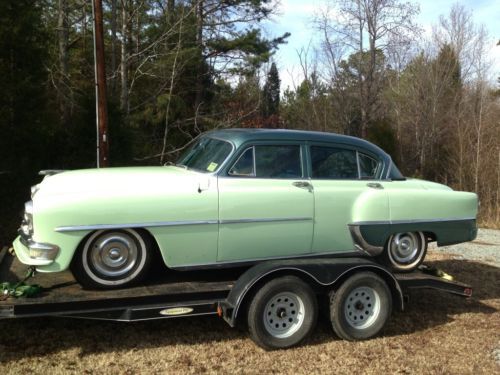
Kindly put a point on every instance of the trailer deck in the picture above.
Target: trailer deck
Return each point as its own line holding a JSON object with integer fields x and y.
{"x": 63, "y": 296}
{"x": 166, "y": 295}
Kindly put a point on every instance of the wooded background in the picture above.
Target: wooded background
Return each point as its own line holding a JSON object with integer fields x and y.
{"x": 176, "y": 68}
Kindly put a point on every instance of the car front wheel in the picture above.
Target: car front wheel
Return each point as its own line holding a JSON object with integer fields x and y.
{"x": 110, "y": 259}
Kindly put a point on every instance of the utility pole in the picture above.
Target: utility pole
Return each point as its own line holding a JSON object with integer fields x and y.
{"x": 100, "y": 87}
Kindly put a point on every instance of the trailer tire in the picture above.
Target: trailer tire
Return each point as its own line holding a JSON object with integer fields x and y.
{"x": 282, "y": 313}
{"x": 360, "y": 308}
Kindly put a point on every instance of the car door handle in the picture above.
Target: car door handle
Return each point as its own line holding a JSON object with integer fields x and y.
{"x": 302, "y": 184}
{"x": 374, "y": 185}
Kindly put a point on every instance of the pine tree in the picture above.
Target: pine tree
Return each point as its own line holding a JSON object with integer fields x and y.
{"x": 271, "y": 100}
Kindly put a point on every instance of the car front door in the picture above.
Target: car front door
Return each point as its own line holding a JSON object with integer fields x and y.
{"x": 344, "y": 192}
{"x": 266, "y": 205}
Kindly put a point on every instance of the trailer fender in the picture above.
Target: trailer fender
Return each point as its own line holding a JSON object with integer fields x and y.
{"x": 323, "y": 273}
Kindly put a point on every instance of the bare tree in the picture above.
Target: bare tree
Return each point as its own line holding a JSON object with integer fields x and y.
{"x": 367, "y": 27}
{"x": 125, "y": 52}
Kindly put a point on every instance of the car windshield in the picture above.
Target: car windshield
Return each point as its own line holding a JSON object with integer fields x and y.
{"x": 205, "y": 155}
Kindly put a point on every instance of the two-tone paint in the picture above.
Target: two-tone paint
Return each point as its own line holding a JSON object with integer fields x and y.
{"x": 215, "y": 219}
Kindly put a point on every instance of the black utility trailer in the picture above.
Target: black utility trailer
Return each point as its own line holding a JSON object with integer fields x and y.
{"x": 278, "y": 300}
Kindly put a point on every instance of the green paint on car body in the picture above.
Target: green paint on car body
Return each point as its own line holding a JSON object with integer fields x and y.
{"x": 206, "y": 218}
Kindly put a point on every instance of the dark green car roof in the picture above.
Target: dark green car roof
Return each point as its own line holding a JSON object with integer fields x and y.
{"x": 240, "y": 136}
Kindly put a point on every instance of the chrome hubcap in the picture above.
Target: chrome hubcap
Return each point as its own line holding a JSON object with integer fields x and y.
{"x": 404, "y": 247}
{"x": 114, "y": 254}
{"x": 284, "y": 315}
{"x": 362, "y": 307}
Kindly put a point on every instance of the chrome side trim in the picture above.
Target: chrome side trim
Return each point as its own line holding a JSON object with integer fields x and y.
{"x": 415, "y": 221}
{"x": 74, "y": 228}
{"x": 360, "y": 243}
{"x": 265, "y": 220}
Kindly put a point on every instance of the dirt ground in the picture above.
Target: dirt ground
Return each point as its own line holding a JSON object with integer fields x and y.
{"x": 438, "y": 333}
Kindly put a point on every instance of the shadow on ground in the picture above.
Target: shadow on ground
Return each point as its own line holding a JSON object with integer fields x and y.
{"x": 427, "y": 309}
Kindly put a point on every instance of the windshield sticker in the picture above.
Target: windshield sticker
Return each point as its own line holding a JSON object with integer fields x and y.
{"x": 212, "y": 167}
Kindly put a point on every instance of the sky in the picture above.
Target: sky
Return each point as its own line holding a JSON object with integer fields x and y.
{"x": 295, "y": 16}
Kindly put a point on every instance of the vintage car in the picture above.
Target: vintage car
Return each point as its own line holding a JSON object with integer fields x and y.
{"x": 237, "y": 197}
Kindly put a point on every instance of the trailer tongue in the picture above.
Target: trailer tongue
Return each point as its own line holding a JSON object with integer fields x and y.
{"x": 277, "y": 299}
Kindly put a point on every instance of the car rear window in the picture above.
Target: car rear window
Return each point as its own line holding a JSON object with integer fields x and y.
{"x": 333, "y": 163}
{"x": 339, "y": 164}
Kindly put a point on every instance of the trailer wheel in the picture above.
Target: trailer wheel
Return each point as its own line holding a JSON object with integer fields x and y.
{"x": 360, "y": 308}
{"x": 111, "y": 259}
{"x": 282, "y": 313}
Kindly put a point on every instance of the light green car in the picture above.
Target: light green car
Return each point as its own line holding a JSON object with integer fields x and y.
{"x": 237, "y": 197}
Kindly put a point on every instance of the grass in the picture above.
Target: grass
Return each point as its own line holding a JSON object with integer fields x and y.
{"x": 438, "y": 333}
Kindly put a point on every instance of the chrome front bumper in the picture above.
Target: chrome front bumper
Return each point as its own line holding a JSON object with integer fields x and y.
{"x": 34, "y": 253}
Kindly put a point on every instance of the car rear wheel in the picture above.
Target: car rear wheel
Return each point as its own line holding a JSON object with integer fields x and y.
{"x": 282, "y": 313}
{"x": 110, "y": 259}
{"x": 360, "y": 308}
{"x": 405, "y": 251}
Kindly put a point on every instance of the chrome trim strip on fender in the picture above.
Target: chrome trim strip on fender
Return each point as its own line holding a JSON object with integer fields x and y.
{"x": 266, "y": 220}
{"x": 414, "y": 221}
{"x": 74, "y": 228}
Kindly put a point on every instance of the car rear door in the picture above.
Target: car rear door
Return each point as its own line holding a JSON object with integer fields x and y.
{"x": 266, "y": 204}
{"x": 345, "y": 191}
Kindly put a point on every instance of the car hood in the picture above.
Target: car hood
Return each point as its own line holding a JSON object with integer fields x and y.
{"x": 118, "y": 181}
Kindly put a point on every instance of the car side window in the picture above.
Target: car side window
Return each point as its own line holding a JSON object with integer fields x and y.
{"x": 244, "y": 166}
{"x": 269, "y": 161}
{"x": 367, "y": 166}
{"x": 333, "y": 163}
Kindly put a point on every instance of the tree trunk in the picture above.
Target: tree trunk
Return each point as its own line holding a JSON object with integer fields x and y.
{"x": 199, "y": 43}
{"x": 124, "y": 105}
{"x": 63, "y": 40}
{"x": 361, "y": 82}
{"x": 170, "y": 12}
{"x": 478, "y": 139}
{"x": 113, "y": 44}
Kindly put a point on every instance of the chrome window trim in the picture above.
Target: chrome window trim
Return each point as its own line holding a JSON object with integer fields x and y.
{"x": 74, "y": 228}
{"x": 237, "y": 160}
{"x": 254, "y": 175}
{"x": 377, "y": 170}
{"x": 359, "y": 166}
{"x": 388, "y": 169}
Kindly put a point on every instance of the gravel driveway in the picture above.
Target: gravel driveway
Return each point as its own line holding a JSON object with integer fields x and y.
{"x": 485, "y": 248}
